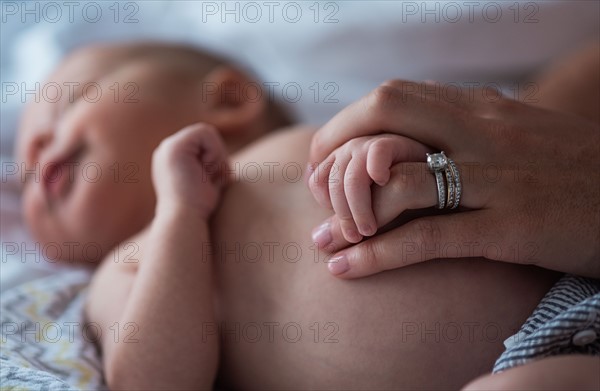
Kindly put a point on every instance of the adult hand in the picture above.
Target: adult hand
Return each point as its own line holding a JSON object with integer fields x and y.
{"x": 530, "y": 179}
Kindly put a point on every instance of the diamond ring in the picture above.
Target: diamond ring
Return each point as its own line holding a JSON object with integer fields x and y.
{"x": 447, "y": 177}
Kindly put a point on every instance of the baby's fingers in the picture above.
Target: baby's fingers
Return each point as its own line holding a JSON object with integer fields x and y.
{"x": 357, "y": 186}
{"x": 213, "y": 155}
{"x": 318, "y": 182}
{"x": 406, "y": 189}
{"x": 386, "y": 151}
{"x": 197, "y": 146}
{"x": 379, "y": 161}
{"x": 339, "y": 199}
{"x": 205, "y": 141}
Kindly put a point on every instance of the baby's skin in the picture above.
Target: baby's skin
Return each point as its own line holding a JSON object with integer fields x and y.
{"x": 224, "y": 284}
{"x": 249, "y": 290}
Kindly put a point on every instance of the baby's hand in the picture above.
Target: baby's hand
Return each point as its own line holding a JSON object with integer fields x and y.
{"x": 188, "y": 170}
{"x": 342, "y": 182}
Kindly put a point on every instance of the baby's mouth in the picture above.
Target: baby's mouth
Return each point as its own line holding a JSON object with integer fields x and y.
{"x": 58, "y": 176}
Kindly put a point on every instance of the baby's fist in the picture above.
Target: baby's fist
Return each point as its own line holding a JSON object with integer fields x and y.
{"x": 189, "y": 169}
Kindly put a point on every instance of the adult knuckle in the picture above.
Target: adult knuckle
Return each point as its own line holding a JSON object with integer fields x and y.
{"x": 507, "y": 135}
{"x": 369, "y": 253}
{"x": 399, "y": 83}
{"x": 496, "y": 107}
{"x": 393, "y": 83}
{"x": 384, "y": 97}
{"x": 426, "y": 231}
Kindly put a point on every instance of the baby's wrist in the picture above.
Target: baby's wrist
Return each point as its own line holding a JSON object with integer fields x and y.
{"x": 181, "y": 211}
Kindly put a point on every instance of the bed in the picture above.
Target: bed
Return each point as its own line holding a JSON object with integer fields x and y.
{"x": 330, "y": 52}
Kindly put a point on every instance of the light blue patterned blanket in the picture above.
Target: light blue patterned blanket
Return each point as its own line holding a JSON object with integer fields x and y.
{"x": 46, "y": 343}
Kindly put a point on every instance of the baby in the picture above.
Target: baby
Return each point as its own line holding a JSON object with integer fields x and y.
{"x": 208, "y": 269}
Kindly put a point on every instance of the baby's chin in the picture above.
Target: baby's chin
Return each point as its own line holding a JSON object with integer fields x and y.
{"x": 52, "y": 245}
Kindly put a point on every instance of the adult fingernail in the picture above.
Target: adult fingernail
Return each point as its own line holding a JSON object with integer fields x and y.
{"x": 338, "y": 265}
{"x": 322, "y": 235}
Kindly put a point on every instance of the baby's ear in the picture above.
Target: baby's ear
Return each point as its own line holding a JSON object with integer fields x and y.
{"x": 231, "y": 99}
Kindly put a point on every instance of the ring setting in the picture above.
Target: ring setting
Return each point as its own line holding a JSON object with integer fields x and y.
{"x": 437, "y": 161}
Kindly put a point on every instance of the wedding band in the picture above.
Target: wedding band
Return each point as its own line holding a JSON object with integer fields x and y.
{"x": 450, "y": 190}
{"x": 457, "y": 184}
{"x": 441, "y": 188}
{"x": 451, "y": 186}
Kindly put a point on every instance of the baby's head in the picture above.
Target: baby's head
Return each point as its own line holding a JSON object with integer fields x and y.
{"x": 91, "y": 151}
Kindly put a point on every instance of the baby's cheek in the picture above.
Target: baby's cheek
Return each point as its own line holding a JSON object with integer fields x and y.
{"x": 84, "y": 216}
{"x": 103, "y": 214}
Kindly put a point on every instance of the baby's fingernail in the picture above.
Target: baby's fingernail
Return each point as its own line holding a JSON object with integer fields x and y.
{"x": 338, "y": 265}
{"x": 367, "y": 230}
{"x": 322, "y": 235}
{"x": 353, "y": 236}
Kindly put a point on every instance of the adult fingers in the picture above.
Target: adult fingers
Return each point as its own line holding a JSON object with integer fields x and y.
{"x": 417, "y": 241}
{"x": 392, "y": 109}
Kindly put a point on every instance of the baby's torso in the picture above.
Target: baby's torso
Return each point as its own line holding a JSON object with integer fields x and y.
{"x": 286, "y": 322}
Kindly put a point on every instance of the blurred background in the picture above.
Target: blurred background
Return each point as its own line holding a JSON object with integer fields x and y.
{"x": 335, "y": 51}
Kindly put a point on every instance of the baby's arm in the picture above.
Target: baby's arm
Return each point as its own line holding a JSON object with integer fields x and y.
{"x": 343, "y": 182}
{"x": 169, "y": 297}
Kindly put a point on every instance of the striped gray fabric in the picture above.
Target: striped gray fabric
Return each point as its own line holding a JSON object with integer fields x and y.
{"x": 567, "y": 321}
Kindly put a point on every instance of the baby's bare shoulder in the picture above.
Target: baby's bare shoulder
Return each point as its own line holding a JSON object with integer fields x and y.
{"x": 297, "y": 133}
{"x": 283, "y": 145}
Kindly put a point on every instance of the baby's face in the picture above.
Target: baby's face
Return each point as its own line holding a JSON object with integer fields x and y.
{"x": 92, "y": 156}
